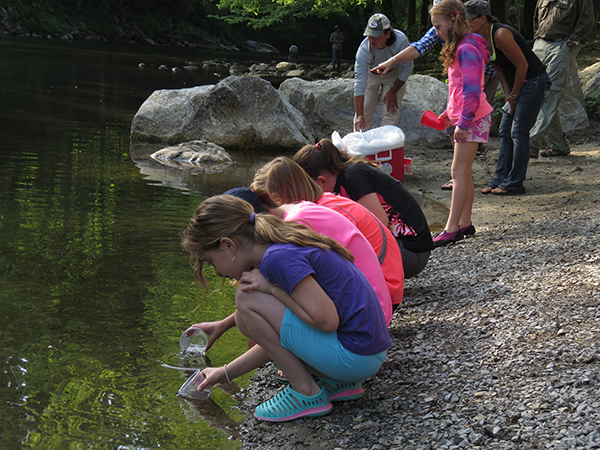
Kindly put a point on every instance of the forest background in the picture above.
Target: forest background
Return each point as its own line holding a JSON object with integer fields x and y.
{"x": 214, "y": 23}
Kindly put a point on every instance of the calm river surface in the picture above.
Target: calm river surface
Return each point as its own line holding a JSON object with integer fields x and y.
{"x": 95, "y": 289}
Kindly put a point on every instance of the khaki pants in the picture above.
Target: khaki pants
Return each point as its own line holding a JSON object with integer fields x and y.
{"x": 559, "y": 61}
{"x": 375, "y": 84}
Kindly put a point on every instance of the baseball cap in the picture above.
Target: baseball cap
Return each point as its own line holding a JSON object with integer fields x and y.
{"x": 376, "y": 25}
{"x": 249, "y": 196}
{"x": 476, "y": 8}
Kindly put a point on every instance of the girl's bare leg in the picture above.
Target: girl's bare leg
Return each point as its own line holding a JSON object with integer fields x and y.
{"x": 462, "y": 185}
{"x": 259, "y": 317}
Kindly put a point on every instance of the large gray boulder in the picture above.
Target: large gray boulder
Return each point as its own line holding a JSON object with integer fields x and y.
{"x": 590, "y": 79}
{"x": 422, "y": 93}
{"x": 329, "y": 106}
{"x": 239, "y": 112}
{"x": 573, "y": 115}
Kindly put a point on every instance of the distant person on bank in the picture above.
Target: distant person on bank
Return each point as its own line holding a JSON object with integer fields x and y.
{"x": 336, "y": 38}
{"x": 381, "y": 43}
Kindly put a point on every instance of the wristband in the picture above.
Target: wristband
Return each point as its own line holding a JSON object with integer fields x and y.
{"x": 226, "y": 374}
{"x": 360, "y": 117}
{"x": 513, "y": 96}
{"x": 394, "y": 58}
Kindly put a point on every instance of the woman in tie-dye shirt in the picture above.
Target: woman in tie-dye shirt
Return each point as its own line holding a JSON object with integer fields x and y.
{"x": 464, "y": 56}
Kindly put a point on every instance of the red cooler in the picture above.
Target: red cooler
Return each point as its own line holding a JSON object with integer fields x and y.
{"x": 392, "y": 162}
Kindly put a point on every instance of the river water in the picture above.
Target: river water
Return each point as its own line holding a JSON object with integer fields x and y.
{"x": 95, "y": 289}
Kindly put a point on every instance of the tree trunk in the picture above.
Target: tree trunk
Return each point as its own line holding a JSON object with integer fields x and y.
{"x": 411, "y": 13}
{"x": 33, "y": 9}
{"x": 527, "y": 28}
{"x": 388, "y": 9}
{"x": 425, "y": 21}
{"x": 499, "y": 9}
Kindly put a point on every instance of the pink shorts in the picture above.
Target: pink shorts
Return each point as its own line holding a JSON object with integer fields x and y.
{"x": 479, "y": 130}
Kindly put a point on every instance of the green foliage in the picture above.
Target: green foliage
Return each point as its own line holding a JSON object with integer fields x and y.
{"x": 266, "y": 13}
{"x": 498, "y": 103}
{"x": 49, "y": 24}
{"x": 592, "y": 104}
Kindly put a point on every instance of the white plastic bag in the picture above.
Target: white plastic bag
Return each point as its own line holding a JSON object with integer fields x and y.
{"x": 387, "y": 137}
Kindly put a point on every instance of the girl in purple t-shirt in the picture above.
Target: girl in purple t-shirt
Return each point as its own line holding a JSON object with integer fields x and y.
{"x": 300, "y": 298}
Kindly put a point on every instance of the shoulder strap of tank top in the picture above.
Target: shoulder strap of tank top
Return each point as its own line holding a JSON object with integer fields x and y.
{"x": 492, "y": 39}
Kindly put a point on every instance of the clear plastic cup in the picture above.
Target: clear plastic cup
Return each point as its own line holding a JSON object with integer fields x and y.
{"x": 193, "y": 342}
{"x": 431, "y": 120}
{"x": 188, "y": 389}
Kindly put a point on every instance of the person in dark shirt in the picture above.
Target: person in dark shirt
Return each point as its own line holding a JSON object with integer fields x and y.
{"x": 524, "y": 81}
{"x": 386, "y": 197}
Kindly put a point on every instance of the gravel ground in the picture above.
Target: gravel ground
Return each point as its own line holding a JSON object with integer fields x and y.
{"x": 497, "y": 342}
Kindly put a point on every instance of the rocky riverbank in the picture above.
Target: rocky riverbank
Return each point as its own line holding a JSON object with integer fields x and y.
{"x": 497, "y": 342}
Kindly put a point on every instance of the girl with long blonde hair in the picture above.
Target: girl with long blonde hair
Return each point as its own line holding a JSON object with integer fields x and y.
{"x": 286, "y": 182}
{"x": 299, "y": 297}
{"x": 464, "y": 56}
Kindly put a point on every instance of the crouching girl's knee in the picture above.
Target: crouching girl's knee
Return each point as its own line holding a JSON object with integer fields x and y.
{"x": 243, "y": 299}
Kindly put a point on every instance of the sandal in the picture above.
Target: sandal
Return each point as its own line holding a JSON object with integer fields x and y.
{"x": 487, "y": 190}
{"x": 447, "y": 186}
{"x": 340, "y": 391}
{"x": 548, "y": 153}
{"x": 290, "y": 405}
{"x": 516, "y": 191}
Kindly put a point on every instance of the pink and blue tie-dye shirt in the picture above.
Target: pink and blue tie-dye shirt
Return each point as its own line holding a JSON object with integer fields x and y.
{"x": 466, "y": 99}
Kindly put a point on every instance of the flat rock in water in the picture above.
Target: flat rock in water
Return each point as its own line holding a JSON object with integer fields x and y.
{"x": 208, "y": 157}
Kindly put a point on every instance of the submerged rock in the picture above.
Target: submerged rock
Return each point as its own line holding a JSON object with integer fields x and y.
{"x": 201, "y": 156}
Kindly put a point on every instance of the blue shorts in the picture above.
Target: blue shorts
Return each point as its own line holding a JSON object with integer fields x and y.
{"x": 325, "y": 353}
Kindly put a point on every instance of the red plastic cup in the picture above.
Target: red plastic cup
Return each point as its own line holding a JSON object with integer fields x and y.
{"x": 431, "y": 120}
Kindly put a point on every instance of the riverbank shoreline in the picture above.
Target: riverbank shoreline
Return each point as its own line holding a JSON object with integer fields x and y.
{"x": 497, "y": 342}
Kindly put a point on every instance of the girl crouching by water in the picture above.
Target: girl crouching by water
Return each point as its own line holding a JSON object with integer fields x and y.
{"x": 300, "y": 298}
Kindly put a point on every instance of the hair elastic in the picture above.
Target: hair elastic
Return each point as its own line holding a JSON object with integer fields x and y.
{"x": 252, "y": 216}
{"x": 226, "y": 374}
{"x": 318, "y": 145}
{"x": 457, "y": 13}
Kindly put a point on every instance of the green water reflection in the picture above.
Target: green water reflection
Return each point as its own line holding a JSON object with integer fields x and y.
{"x": 95, "y": 289}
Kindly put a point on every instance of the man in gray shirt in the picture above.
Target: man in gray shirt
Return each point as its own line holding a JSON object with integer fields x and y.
{"x": 382, "y": 42}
